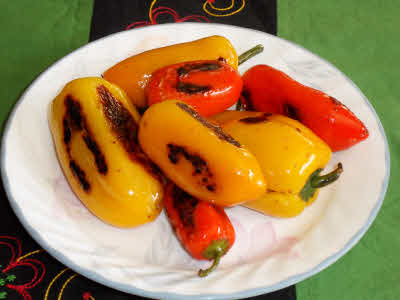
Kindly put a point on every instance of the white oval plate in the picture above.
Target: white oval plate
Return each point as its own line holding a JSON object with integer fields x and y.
{"x": 269, "y": 253}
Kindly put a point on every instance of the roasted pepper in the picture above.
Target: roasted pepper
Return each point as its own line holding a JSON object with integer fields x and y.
{"x": 199, "y": 156}
{"x": 209, "y": 86}
{"x": 204, "y": 229}
{"x": 133, "y": 73}
{"x": 291, "y": 157}
{"x": 94, "y": 127}
{"x": 269, "y": 90}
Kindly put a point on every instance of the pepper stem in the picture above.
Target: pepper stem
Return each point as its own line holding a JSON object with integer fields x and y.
{"x": 215, "y": 250}
{"x": 204, "y": 273}
{"x": 316, "y": 181}
{"x": 250, "y": 53}
{"x": 324, "y": 180}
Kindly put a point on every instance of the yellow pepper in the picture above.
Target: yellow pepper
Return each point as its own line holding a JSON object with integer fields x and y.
{"x": 94, "y": 127}
{"x": 198, "y": 156}
{"x": 133, "y": 73}
{"x": 290, "y": 155}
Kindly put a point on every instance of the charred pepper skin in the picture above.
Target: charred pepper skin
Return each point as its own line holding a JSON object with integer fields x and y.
{"x": 94, "y": 128}
{"x": 209, "y": 86}
{"x": 203, "y": 229}
{"x": 290, "y": 155}
{"x": 198, "y": 156}
{"x": 133, "y": 73}
{"x": 269, "y": 90}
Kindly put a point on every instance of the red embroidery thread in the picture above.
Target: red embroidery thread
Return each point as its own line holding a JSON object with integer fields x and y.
{"x": 18, "y": 261}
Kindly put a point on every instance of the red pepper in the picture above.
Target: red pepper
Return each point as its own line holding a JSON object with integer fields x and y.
{"x": 208, "y": 86}
{"x": 203, "y": 228}
{"x": 269, "y": 90}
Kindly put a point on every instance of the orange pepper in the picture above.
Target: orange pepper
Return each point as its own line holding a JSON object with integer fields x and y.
{"x": 133, "y": 73}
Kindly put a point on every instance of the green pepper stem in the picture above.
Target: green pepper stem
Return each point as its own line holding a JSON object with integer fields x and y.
{"x": 316, "y": 181}
{"x": 324, "y": 180}
{"x": 214, "y": 251}
{"x": 250, "y": 53}
{"x": 204, "y": 273}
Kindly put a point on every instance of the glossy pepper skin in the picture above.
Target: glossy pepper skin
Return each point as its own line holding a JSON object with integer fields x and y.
{"x": 269, "y": 90}
{"x": 204, "y": 229}
{"x": 291, "y": 157}
{"x": 209, "y": 86}
{"x": 94, "y": 126}
{"x": 133, "y": 73}
{"x": 198, "y": 156}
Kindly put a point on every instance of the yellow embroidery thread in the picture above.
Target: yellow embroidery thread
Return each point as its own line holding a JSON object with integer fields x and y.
{"x": 65, "y": 285}
{"x": 223, "y": 9}
{"x": 52, "y": 282}
{"x": 29, "y": 254}
{"x": 151, "y": 10}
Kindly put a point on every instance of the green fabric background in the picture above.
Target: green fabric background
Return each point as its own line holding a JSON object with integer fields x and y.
{"x": 34, "y": 34}
{"x": 361, "y": 38}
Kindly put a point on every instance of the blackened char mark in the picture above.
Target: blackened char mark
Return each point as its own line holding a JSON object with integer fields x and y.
{"x": 173, "y": 153}
{"x": 198, "y": 163}
{"x": 120, "y": 119}
{"x": 215, "y": 128}
{"x": 190, "y": 88}
{"x": 200, "y": 166}
{"x": 185, "y": 205}
{"x": 75, "y": 121}
{"x": 98, "y": 155}
{"x": 291, "y": 111}
{"x": 123, "y": 125}
{"x": 211, "y": 187}
{"x": 80, "y": 175}
{"x": 74, "y": 113}
{"x": 124, "y": 128}
{"x": 255, "y": 120}
{"x": 67, "y": 133}
{"x": 72, "y": 121}
{"x": 202, "y": 67}
{"x": 337, "y": 104}
{"x": 335, "y": 101}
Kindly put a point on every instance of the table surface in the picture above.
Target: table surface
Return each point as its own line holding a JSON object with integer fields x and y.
{"x": 360, "y": 38}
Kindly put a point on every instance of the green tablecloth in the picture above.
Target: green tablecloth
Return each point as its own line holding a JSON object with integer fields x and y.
{"x": 34, "y": 34}
{"x": 361, "y": 38}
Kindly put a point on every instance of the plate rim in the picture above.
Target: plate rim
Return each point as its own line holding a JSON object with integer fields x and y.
{"x": 170, "y": 295}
